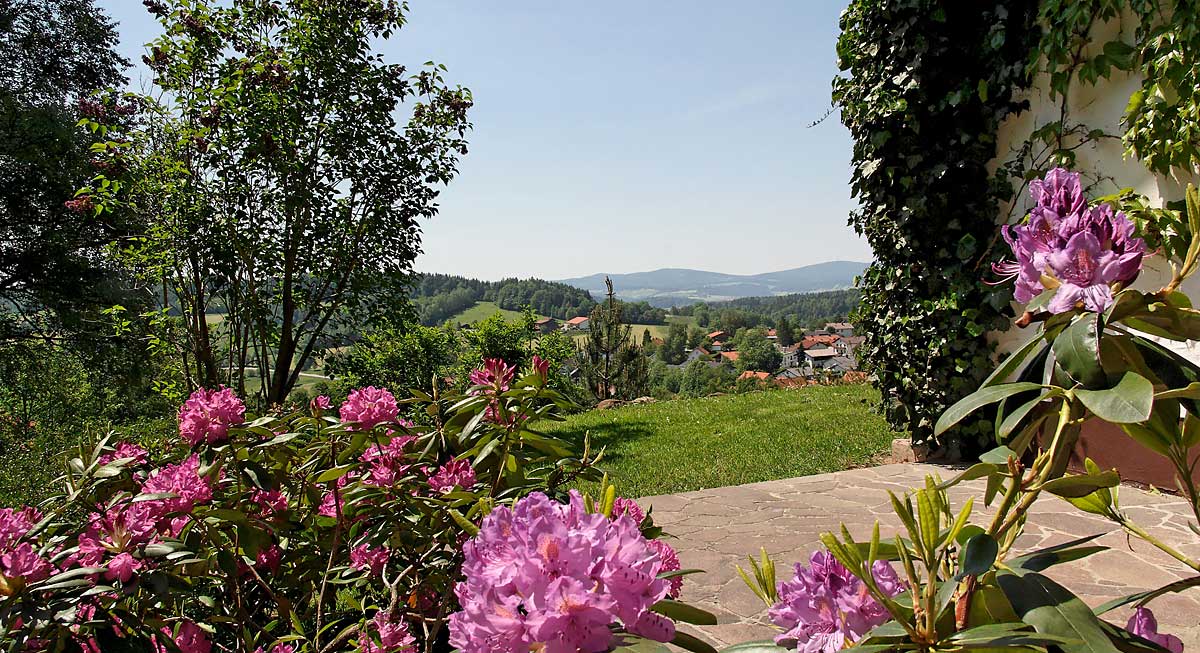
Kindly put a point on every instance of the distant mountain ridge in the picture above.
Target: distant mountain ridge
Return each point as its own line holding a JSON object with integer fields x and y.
{"x": 679, "y": 286}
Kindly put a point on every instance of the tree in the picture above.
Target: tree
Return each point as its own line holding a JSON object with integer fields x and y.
{"x": 610, "y": 364}
{"x": 674, "y": 346}
{"x": 273, "y": 181}
{"x": 784, "y": 332}
{"x": 398, "y": 358}
{"x": 56, "y": 53}
{"x": 756, "y": 352}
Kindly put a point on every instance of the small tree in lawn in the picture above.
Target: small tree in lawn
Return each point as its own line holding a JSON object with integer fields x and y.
{"x": 611, "y": 365}
{"x": 274, "y": 177}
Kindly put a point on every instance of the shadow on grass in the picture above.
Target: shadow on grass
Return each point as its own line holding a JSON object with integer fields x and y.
{"x": 607, "y": 435}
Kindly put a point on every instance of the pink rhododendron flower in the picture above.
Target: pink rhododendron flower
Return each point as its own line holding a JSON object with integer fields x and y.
{"x": 120, "y": 528}
{"x": 393, "y": 636}
{"x": 22, "y": 561}
{"x": 456, "y": 473}
{"x": 136, "y": 454}
{"x": 543, "y": 573}
{"x": 207, "y": 415}
{"x": 493, "y": 379}
{"x": 189, "y": 637}
{"x": 15, "y": 523}
{"x": 670, "y": 562}
{"x": 388, "y": 462}
{"x": 335, "y": 502}
{"x": 368, "y": 407}
{"x": 122, "y": 567}
{"x": 367, "y": 558}
{"x": 185, "y": 482}
{"x": 623, "y": 506}
{"x": 1144, "y": 625}
{"x": 826, "y": 608}
{"x": 268, "y": 558}
{"x": 320, "y": 404}
{"x": 278, "y": 648}
{"x": 541, "y": 366}
{"x": 1084, "y": 251}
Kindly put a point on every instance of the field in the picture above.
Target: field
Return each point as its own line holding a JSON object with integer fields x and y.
{"x": 482, "y": 311}
{"x": 681, "y": 445}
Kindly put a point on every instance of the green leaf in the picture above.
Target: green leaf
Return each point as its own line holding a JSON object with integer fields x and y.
{"x": 978, "y": 399}
{"x": 1013, "y": 362}
{"x": 1081, "y": 485}
{"x": 1053, "y": 610}
{"x": 1128, "y": 402}
{"x": 1077, "y": 351}
{"x": 1142, "y": 597}
{"x": 1003, "y": 635}
{"x": 759, "y": 646}
{"x": 999, "y": 456}
{"x": 692, "y": 643}
{"x": 979, "y": 555}
{"x": 334, "y": 473}
{"x": 1043, "y": 559}
{"x": 689, "y": 614}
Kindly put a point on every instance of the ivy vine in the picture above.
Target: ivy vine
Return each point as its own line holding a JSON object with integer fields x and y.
{"x": 927, "y": 85}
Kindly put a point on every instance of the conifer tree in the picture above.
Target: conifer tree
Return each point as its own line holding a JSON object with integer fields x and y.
{"x": 611, "y": 364}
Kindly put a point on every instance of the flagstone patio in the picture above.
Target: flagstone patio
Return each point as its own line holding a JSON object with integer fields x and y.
{"x": 717, "y": 528}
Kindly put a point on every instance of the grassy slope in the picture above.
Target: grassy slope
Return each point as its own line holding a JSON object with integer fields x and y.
{"x": 482, "y": 311}
{"x": 682, "y": 445}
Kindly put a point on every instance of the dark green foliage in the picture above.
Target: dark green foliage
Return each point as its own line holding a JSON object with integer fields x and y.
{"x": 701, "y": 379}
{"x": 611, "y": 365}
{"x": 805, "y": 310}
{"x": 55, "y": 53}
{"x": 674, "y": 345}
{"x": 398, "y": 358}
{"x": 927, "y": 85}
{"x": 756, "y": 352}
{"x": 439, "y": 297}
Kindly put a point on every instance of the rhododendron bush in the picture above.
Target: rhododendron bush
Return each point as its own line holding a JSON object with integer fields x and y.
{"x": 957, "y": 585}
{"x": 337, "y": 528}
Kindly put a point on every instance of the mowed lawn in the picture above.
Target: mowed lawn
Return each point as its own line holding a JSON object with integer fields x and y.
{"x": 676, "y": 446}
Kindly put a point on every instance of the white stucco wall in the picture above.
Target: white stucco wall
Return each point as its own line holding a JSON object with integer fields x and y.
{"x": 1103, "y": 163}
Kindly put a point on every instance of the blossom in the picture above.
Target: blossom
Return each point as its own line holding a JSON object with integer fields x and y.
{"x": 393, "y": 636}
{"x": 825, "y": 607}
{"x": 320, "y": 403}
{"x": 559, "y": 576}
{"x": 333, "y": 502}
{"x": 670, "y": 562}
{"x": 189, "y": 488}
{"x": 1083, "y": 252}
{"x": 366, "y": 557}
{"x": 388, "y": 462}
{"x": 491, "y": 380}
{"x": 368, "y": 407}
{"x": 456, "y": 473}
{"x": 541, "y": 366}
{"x": 15, "y": 523}
{"x": 118, "y": 529}
{"x": 22, "y": 561}
{"x": 623, "y": 506}
{"x": 1144, "y": 625}
{"x": 135, "y": 454}
{"x": 268, "y": 558}
{"x": 278, "y": 648}
{"x": 122, "y": 567}
{"x": 207, "y": 415}
{"x": 188, "y": 637}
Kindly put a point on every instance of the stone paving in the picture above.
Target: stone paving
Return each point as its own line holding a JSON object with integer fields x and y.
{"x": 717, "y": 528}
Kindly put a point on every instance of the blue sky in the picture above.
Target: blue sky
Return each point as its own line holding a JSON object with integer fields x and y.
{"x": 628, "y": 136}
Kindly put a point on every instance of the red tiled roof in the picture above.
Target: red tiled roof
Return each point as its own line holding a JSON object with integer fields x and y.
{"x": 577, "y": 320}
{"x": 762, "y": 376}
{"x": 731, "y": 355}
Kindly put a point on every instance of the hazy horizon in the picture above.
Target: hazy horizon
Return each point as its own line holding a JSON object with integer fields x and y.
{"x": 628, "y": 138}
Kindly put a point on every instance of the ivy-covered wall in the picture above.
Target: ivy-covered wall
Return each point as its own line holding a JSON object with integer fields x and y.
{"x": 926, "y": 85}
{"x": 937, "y": 96}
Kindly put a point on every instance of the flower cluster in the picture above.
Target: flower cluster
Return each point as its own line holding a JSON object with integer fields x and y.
{"x": 364, "y": 557}
{"x": 393, "y": 636}
{"x": 456, "y": 473}
{"x": 1081, "y": 251}
{"x": 368, "y": 407}
{"x": 131, "y": 453}
{"x": 491, "y": 380}
{"x": 826, "y": 608}
{"x": 19, "y": 561}
{"x": 207, "y": 415}
{"x": 387, "y": 463}
{"x": 623, "y": 507}
{"x": 559, "y": 576}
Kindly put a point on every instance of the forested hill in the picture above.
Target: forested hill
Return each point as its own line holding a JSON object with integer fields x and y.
{"x": 438, "y": 297}
{"x": 804, "y": 309}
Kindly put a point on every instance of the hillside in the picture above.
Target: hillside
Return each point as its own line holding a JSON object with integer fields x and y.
{"x": 678, "y": 287}
{"x": 441, "y": 297}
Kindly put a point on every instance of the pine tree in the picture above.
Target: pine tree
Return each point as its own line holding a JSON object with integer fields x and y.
{"x": 611, "y": 365}
{"x": 784, "y": 332}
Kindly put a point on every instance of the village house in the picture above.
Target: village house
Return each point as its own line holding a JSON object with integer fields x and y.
{"x": 820, "y": 340}
{"x": 730, "y": 356}
{"x": 791, "y": 355}
{"x": 840, "y": 328}
{"x": 576, "y": 324}
{"x": 697, "y": 354}
{"x": 546, "y": 325}
{"x": 718, "y": 335}
{"x": 819, "y": 358}
{"x": 772, "y": 334}
{"x": 848, "y": 344}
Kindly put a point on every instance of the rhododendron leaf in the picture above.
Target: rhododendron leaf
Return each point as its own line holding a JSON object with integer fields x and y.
{"x": 1053, "y": 610}
{"x": 1081, "y": 485}
{"x": 999, "y": 456}
{"x": 468, "y": 527}
{"x": 1052, "y": 555}
{"x": 1010, "y": 364}
{"x": 978, "y": 556}
{"x": 1013, "y": 420}
{"x": 976, "y": 471}
{"x": 691, "y": 643}
{"x": 334, "y": 473}
{"x": 1144, "y": 597}
{"x": 1077, "y": 351}
{"x": 1128, "y": 402}
{"x": 680, "y": 572}
{"x": 760, "y": 646}
{"x": 1004, "y": 635}
{"x": 979, "y": 399}
{"x": 688, "y": 614}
